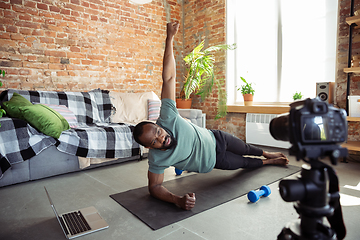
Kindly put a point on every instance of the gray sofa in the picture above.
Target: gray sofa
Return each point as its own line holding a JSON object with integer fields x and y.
{"x": 41, "y": 156}
{"x": 27, "y": 153}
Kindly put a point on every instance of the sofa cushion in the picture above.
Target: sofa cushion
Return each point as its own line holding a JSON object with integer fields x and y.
{"x": 153, "y": 109}
{"x": 66, "y": 113}
{"x": 131, "y": 107}
{"x": 12, "y": 107}
{"x": 45, "y": 119}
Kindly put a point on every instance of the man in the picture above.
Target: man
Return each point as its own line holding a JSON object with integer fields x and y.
{"x": 174, "y": 141}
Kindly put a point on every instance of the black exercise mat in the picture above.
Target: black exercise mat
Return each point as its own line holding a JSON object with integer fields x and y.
{"x": 211, "y": 189}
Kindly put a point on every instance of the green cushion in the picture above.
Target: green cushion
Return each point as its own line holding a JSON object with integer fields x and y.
{"x": 45, "y": 119}
{"x": 12, "y": 107}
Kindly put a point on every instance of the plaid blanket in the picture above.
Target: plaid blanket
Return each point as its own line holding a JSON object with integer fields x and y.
{"x": 95, "y": 137}
{"x": 99, "y": 140}
{"x": 89, "y": 107}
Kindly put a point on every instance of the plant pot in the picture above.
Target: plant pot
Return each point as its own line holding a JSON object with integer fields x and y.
{"x": 183, "y": 103}
{"x": 248, "y": 99}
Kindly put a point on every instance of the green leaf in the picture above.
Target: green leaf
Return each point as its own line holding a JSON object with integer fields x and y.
{"x": 2, "y": 112}
{"x": 200, "y": 77}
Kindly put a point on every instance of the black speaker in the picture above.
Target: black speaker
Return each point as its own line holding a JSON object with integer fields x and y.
{"x": 325, "y": 91}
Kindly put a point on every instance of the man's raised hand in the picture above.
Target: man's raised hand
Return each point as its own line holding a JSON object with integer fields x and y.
{"x": 172, "y": 28}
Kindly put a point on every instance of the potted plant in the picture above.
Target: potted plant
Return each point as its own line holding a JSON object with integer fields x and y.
{"x": 200, "y": 77}
{"x": 297, "y": 96}
{"x": 247, "y": 92}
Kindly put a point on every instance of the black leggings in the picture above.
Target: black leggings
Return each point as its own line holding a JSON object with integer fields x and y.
{"x": 230, "y": 151}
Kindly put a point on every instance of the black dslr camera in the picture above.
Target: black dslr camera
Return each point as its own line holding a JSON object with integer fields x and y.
{"x": 315, "y": 129}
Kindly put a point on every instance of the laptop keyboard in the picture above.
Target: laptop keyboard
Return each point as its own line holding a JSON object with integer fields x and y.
{"x": 76, "y": 222}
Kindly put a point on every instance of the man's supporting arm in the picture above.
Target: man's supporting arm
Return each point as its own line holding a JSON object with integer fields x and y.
{"x": 169, "y": 66}
{"x": 158, "y": 191}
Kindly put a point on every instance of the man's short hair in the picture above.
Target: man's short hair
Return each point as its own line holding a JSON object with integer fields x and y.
{"x": 139, "y": 130}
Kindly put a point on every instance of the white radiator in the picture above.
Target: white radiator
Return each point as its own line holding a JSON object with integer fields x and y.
{"x": 257, "y": 131}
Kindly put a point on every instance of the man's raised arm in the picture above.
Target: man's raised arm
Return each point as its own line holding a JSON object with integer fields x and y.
{"x": 169, "y": 66}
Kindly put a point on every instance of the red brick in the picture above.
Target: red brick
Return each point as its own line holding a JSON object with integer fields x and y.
{"x": 31, "y": 39}
{"x": 4, "y": 35}
{"x": 25, "y": 17}
{"x": 85, "y": 62}
{"x": 18, "y": 8}
{"x": 17, "y": 36}
{"x": 50, "y": 34}
{"x": 85, "y": 4}
{"x": 75, "y": 49}
{"x": 11, "y": 29}
{"x": 65, "y": 11}
{"x": 77, "y": 2}
{"x": 62, "y": 73}
{"x": 7, "y": 43}
{"x": 25, "y": 72}
{"x": 4, "y": 5}
{"x": 38, "y": 32}
{"x": 103, "y": 20}
{"x": 28, "y": 24}
{"x": 16, "y": 2}
{"x": 35, "y": 65}
{"x": 29, "y": 4}
{"x": 57, "y": 66}
{"x": 74, "y": 7}
{"x": 96, "y": 57}
{"x": 10, "y": 14}
{"x": 76, "y": 55}
{"x": 42, "y": 6}
{"x": 55, "y": 53}
{"x": 46, "y": 40}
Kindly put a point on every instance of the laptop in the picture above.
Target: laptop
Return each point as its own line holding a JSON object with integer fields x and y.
{"x": 78, "y": 223}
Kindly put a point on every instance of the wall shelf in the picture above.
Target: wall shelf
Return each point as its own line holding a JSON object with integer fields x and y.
{"x": 352, "y": 145}
{"x": 354, "y": 22}
{"x": 353, "y": 19}
{"x": 353, "y": 119}
{"x": 352, "y": 70}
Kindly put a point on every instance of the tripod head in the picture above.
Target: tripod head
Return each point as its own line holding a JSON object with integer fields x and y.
{"x": 316, "y": 195}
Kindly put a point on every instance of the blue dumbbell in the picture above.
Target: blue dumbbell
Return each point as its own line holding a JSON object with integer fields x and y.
{"x": 178, "y": 171}
{"x": 254, "y": 196}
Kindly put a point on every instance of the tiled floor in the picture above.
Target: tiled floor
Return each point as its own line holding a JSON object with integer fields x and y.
{"x": 25, "y": 212}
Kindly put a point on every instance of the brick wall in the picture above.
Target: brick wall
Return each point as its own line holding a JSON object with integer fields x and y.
{"x": 205, "y": 20}
{"x": 78, "y": 45}
{"x": 342, "y": 62}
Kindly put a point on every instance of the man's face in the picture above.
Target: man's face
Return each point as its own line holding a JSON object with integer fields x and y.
{"x": 156, "y": 137}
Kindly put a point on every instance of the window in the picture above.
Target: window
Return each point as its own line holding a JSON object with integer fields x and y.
{"x": 283, "y": 47}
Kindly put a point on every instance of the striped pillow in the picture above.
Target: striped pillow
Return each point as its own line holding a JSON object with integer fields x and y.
{"x": 153, "y": 109}
{"x": 66, "y": 113}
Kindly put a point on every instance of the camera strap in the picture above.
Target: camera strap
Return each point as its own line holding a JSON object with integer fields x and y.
{"x": 336, "y": 220}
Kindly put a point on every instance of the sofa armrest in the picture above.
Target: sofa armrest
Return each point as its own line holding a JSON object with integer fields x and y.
{"x": 194, "y": 115}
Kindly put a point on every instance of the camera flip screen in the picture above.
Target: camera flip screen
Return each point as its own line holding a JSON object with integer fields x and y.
{"x": 315, "y": 129}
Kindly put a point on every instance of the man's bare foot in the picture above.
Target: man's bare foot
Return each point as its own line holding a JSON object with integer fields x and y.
{"x": 282, "y": 161}
{"x": 270, "y": 155}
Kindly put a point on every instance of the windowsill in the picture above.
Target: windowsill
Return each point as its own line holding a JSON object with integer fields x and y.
{"x": 258, "y": 109}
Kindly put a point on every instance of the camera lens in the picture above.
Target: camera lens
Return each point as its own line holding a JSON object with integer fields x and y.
{"x": 279, "y": 128}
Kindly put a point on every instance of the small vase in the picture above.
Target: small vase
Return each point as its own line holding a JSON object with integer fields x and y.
{"x": 183, "y": 103}
{"x": 248, "y": 99}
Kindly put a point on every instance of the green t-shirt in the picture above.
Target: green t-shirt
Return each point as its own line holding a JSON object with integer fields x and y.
{"x": 196, "y": 146}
